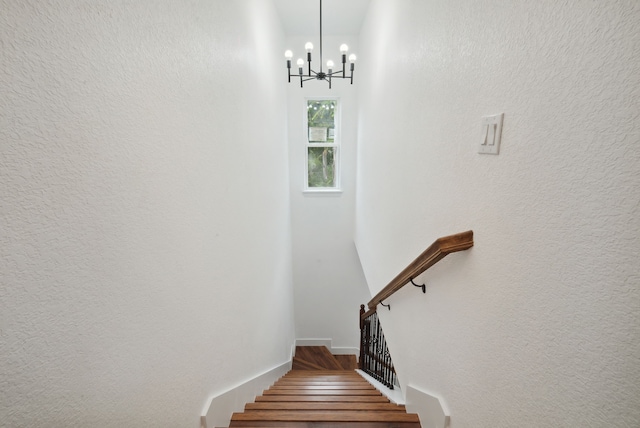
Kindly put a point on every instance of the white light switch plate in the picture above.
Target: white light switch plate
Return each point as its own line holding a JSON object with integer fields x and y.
{"x": 491, "y": 134}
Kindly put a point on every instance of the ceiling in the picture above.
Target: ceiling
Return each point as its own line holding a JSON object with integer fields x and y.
{"x": 339, "y": 17}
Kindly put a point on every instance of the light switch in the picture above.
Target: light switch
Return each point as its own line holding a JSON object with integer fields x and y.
{"x": 491, "y": 134}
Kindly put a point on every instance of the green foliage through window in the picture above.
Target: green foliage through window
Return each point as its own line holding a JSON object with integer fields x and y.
{"x": 321, "y": 167}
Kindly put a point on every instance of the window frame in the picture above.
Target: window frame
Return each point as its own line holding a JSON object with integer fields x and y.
{"x": 335, "y": 145}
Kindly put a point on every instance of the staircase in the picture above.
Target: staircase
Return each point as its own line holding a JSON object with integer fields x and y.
{"x": 323, "y": 391}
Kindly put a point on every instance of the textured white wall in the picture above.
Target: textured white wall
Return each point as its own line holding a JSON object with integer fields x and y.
{"x": 539, "y": 323}
{"x": 145, "y": 225}
{"x": 329, "y": 283}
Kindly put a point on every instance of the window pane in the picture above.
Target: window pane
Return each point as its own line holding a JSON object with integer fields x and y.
{"x": 321, "y": 120}
{"x": 321, "y": 166}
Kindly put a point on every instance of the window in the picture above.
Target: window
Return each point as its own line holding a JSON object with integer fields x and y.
{"x": 323, "y": 145}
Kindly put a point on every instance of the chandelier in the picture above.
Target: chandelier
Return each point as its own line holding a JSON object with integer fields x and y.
{"x": 321, "y": 75}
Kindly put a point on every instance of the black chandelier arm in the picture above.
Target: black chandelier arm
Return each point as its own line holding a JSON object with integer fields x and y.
{"x": 337, "y": 75}
{"x": 334, "y": 75}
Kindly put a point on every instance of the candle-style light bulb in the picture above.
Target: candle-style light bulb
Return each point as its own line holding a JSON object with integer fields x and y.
{"x": 329, "y": 64}
{"x": 343, "y": 50}
{"x": 352, "y": 66}
{"x": 300, "y": 63}
{"x": 309, "y": 47}
{"x": 288, "y": 55}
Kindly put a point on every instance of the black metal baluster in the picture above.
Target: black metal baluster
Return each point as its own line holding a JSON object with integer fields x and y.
{"x": 369, "y": 342}
{"x": 380, "y": 354}
{"x": 377, "y": 350}
{"x": 365, "y": 362}
{"x": 386, "y": 364}
{"x": 381, "y": 345}
{"x": 373, "y": 345}
{"x": 370, "y": 347}
{"x": 372, "y": 342}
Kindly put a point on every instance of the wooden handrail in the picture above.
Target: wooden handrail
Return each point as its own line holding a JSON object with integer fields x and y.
{"x": 432, "y": 255}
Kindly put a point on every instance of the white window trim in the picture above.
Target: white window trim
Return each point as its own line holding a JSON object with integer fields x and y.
{"x": 337, "y": 140}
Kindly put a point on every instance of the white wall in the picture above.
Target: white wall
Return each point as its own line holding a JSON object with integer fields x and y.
{"x": 329, "y": 283}
{"x": 145, "y": 225}
{"x": 539, "y": 323}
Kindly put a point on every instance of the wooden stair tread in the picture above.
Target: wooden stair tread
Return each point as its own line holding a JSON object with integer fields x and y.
{"x": 311, "y": 381}
{"x": 312, "y": 373}
{"x": 322, "y": 392}
{"x": 325, "y": 378}
{"x": 285, "y": 382}
{"x": 327, "y": 385}
{"x": 282, "y": 424}
{"x": 319, "y": 416}
{"x": 292, "y": 405}
{"x": 319, "y": 373}
{"x": 294, "y": 372}
{"x": 325, "y": 398}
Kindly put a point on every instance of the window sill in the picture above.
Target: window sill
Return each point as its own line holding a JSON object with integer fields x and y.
{"x": 321, "y": 191}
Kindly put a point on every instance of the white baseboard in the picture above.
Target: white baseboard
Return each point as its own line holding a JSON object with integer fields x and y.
{"x": 218, "y": 410}
{"x": 394, "y": 395}
{"x": 328, "y": 343}
{"x": 345, "y": 351}
{"x": 314, "y": 342}
{"x": 430, "y": 409}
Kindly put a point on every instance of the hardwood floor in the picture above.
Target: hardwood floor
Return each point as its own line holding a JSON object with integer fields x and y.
{"x": 320, "y": 393}
{"x": 315, "y": 358}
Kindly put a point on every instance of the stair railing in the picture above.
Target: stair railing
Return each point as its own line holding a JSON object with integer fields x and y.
{"x": 375, "y": 358}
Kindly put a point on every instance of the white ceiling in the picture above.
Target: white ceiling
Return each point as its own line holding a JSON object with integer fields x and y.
{"x": 339, "y": 17}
